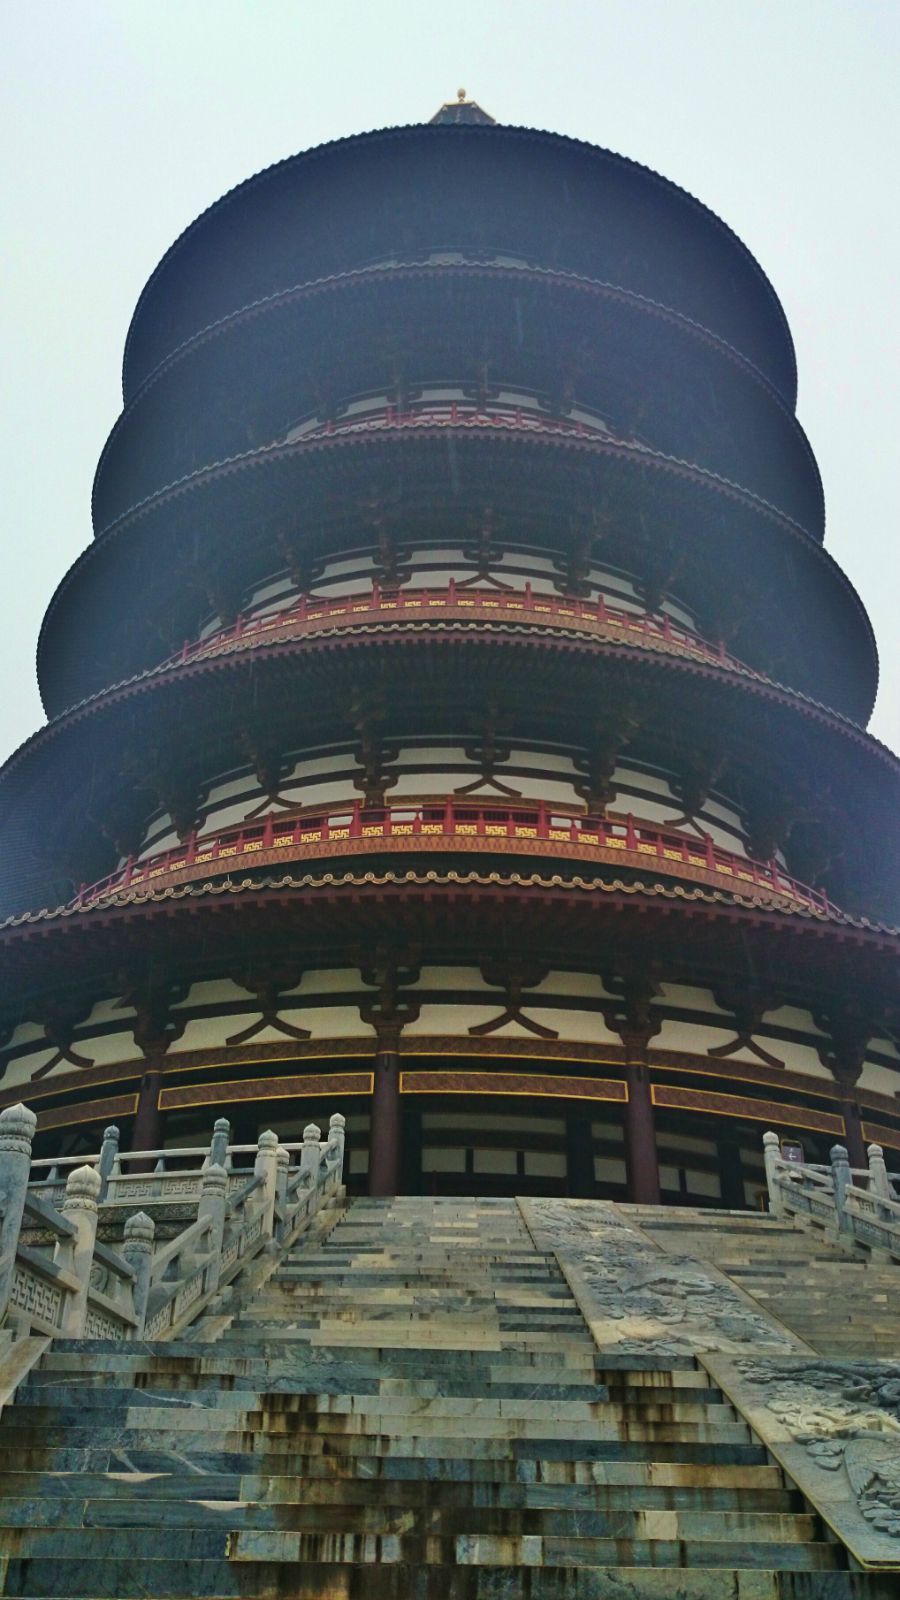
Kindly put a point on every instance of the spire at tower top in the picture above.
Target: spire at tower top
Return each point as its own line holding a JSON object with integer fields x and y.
{"x": 461, "y": 110}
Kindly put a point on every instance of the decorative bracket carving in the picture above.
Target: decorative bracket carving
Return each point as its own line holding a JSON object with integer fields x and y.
{"x": 373, "y": 756}
{"x": 514, "y": 978}
{"x": 268, "y": 985}
{"x": 59, "y": 1022}
{"x": 484, "y": 551}
{"x": 747, "y": 1007}
{"x": 154, "y": 1028}
{"x": 389, "y": 1010}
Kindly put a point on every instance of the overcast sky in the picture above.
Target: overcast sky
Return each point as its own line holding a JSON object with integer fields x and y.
{"x": 125, "y": 118}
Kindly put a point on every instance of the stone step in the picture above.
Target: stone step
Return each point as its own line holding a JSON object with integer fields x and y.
{"x": 273, "y": 1427}
{"x": 108, "y": 1389}
{"x": 25, "y": 1496}
{"x": 491, "y": 1471}
{"x": 440, "y": 1516}
{"x": 338, "y": 1382}
{"x": 358, "y": 1454}
{"x": 144, "y": 1548}
{"x": 228, "y": 1406}
{"x": 58, "y": 1579}
{"x": 412, "y": 1408}
{"x": 522, "y": 1551}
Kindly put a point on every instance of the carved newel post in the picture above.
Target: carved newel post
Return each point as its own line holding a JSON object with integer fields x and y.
{"x": 281, "y": 1175}
{"x": 265, "y": 1168}
{"x": 76, "y": 1254}
{"x": 213, "y": 1203}
{"x": 879, "y": 1182}
{"x": 109, "y": 1155}
{"x": 334, "y": 1154}
{"x": 17, "y": 1125}
{"x": 140, "y": 1231}
{"x": 840, "y": 1177}
{"x": 771, "y": 1155}
{"x": 218, "y": 1144}
{"x": 311, "y": 1154}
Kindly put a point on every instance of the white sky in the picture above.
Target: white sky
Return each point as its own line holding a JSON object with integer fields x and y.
{"x": 126, "y": 118}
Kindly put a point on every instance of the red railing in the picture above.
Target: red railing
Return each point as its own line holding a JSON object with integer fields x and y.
{"x": 354, "y": 828}
{"x": 310, "y": 610}
{"x": 429, "y": 412}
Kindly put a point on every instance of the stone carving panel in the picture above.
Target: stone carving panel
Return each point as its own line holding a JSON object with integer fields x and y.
{"x": 639, "y": 1300}
{"x": 835, "y": 1428}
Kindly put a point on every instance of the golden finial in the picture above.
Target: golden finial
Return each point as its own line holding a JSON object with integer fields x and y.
{"x": 461, "y": 95}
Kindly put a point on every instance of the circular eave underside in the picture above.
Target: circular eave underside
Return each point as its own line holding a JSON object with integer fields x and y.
{"x": 802, "y": 620}
{"x": 539, "y": 196}
{"x": 246, "y": 382}
{"x": 327, "y": 917}
{"x": 302, "y": 694}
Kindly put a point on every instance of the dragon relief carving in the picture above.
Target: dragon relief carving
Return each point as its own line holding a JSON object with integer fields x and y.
{"x": 847, "y": 1415}
{"x": 675, "y": 1306}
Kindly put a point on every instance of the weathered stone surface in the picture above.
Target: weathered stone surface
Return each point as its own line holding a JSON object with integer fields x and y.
{"x": 413, "y": 1407}
{"x": 638, "y": 1300}
{"x": 835, "y": 1427}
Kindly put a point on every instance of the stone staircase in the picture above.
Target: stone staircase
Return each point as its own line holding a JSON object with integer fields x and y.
{"x": 411, "y": 1407}
{"x": 840, "y": 1303}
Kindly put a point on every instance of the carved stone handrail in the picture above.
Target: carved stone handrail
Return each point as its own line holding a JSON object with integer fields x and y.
{"x": 58, "y": 1278}
{"x": 858, "y": 1205}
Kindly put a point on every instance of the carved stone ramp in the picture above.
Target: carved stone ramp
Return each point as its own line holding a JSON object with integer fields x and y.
{"x": 413, "y": 1409}
{"x": 833, "y": 1424}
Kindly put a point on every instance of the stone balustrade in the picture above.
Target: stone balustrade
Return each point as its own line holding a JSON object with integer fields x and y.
{"x": 58, "y": 1278}
{"x": 859, "y": 1206}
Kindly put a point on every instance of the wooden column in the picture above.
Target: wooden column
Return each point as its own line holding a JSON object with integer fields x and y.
{"x": 631, "y": 1018}
{"x": 844, "y": 1056}
{"x": 853, "y": 1134}
{"x": 731, "y": 1171}
{"x": 388, "y": 1015}
{"x": 580, "y": 1153}
{"x": 384, "y": 1134}
{"x": 147, "y": 1133}
{"x": 154, "y": 1030}
{"x": 640, "y": 1132}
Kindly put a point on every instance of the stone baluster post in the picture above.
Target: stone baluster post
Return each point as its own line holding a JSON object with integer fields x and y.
{"x": 336, "y": 1134}
{"x": 283, "y": 1167}
{"x": 77, "y": 1254}
{"x": 218, "y": 1147}
{"x": 772, "y": 1154}
{"x": 109, "y": 1154}
{"x": 213, "y": 1203}
{"x": 138, "y": 1252}
{"x": 266, "y": 1169}
{"x": 311, "y": 1155}
{"x": 17, "y": 1125}
{"x": 281, "y": 1189}
{"x": 840, "y": 1174}
{"x": 879, "y": 1182}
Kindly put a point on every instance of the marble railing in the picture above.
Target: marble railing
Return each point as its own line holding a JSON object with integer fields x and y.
{"x": 858, "y": 1204}
{"x": 58, "y": 1278}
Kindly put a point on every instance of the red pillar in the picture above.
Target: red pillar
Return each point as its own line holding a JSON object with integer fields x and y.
{"x": 384, "y": 1133}
{"x": 853, "y": 1134}
{"x": 640, "y": 1132}
{"x": 147, "y": 1133}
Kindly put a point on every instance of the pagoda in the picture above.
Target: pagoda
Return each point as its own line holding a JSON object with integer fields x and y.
{"x": 457, "y": 720}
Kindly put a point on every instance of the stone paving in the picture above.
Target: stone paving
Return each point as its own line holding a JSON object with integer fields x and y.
{"x": 412, "y": 1406}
